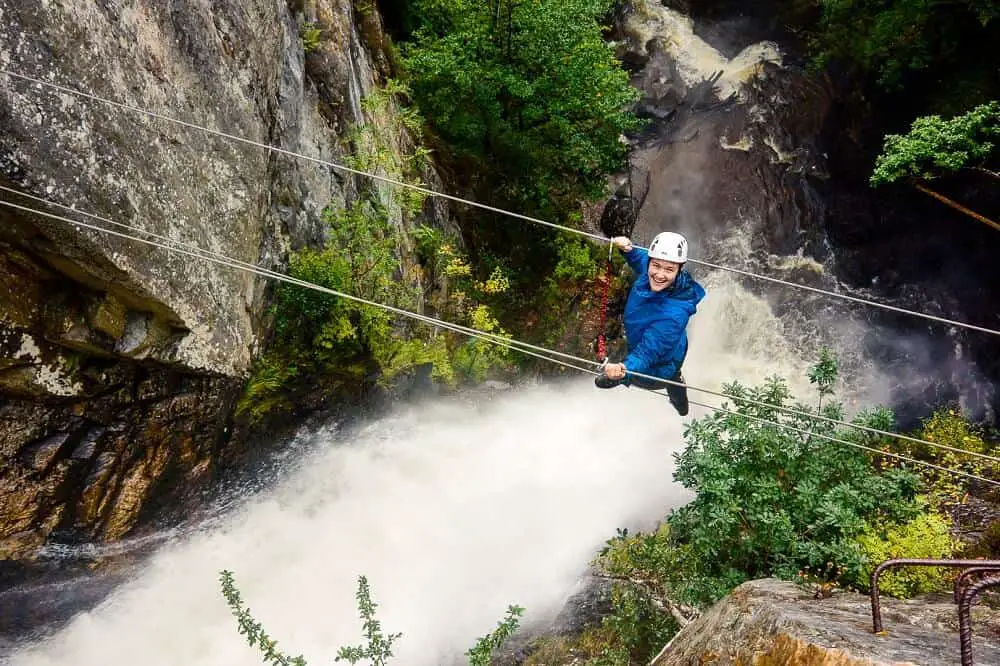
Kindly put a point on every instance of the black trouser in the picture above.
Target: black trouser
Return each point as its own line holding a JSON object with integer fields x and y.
{"x": 678, "y": 394}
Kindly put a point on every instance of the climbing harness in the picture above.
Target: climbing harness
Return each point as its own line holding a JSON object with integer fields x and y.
{"x": 510, "y": 343}
{"x": 602, "y": 342}
{"x": 468, "y": 202}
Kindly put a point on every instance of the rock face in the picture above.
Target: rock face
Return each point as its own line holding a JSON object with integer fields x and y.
{"x": 119, "y": 362}
{"x": 769, "y": 621}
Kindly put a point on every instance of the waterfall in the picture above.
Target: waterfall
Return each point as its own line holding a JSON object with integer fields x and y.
{"x": 453, "y": 507}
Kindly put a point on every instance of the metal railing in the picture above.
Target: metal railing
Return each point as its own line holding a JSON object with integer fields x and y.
{"x": 962, "y": 596}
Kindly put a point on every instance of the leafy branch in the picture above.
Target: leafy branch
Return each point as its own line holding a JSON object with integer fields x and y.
{"x": 479, "y": 654}
{"x": 824, "y": 374}
{"x": 935, "y": 146}
{"x": 252, "y": 629}
{"x": 378, "y": 646}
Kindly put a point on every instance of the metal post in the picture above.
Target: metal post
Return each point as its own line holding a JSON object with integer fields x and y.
{"x": 965, "y": 615}
{"x": 964, "y": 575}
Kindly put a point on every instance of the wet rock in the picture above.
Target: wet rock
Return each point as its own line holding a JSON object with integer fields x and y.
{"x": 87, "y": 447}
{"x": 108, "y": 316}
{"x": 588, "y": 604}
{"x": 40, "y": 455}
{"x": 94, "y": 497}
{"x": 775, "y": 622}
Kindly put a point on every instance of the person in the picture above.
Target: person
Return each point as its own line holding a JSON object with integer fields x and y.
{"x": 660, "y": 303}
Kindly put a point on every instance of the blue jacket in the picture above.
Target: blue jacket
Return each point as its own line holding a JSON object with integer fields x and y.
{"x": 656, "y": 322}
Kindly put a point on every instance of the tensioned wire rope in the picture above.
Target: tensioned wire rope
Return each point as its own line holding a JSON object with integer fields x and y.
{"x": 475, "y": 204}
{"x": 543, "y": 353}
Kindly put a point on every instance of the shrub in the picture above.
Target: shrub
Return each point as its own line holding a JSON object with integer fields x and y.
{"x": 926, "y": 536}
{"x": 772, "y": 501}
{"x": 769, "y": 501}
{"x": 949, "y": 427}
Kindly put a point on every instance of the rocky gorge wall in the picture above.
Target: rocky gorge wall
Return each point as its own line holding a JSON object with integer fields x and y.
{"x": 120, "y": 362}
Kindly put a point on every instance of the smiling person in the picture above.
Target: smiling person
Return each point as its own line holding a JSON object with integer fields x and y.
{"x": 662, "y": 299}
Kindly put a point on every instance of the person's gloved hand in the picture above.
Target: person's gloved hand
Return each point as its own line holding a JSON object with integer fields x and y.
{"x": 622, "y": 243}
{"x": 614, "y": 371}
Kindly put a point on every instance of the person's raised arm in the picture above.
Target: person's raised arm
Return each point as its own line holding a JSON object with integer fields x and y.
{"x": 636, "y": 257}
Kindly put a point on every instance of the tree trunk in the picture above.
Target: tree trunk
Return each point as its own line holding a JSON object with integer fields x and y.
{"x": 957, "y": 206}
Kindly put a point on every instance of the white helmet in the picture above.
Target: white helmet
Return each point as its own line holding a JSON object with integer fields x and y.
{"x": 669, "y": 247}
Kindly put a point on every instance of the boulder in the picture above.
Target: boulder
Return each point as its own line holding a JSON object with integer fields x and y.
{"x": 769, "y": 622}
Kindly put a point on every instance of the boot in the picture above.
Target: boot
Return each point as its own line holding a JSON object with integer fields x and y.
{"x": 605, "y": 382}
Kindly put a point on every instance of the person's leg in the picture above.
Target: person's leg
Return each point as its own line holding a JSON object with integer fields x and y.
{"x": 678, "y": 394}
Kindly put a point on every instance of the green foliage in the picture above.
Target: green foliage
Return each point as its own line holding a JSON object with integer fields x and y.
{"x": 639, "y": 627}
{"x": 378, "y": 646}
{"x": 926, "y": 536}
{"x": 409, "y": 353}
{"x": 321, "y": 335}
{"x": 311, "y": 35}
{"x": 323, "y": 338}
{"x": 892, "y": 38}
{"x": 476, "y": 356}
{"x": 934, "y": 146}
{"x": 263, "y": 392}
{"x": 532, "y": 104}
{"x": 579, "y": 260}
{"x": 479, "y": 654}
{"x": 529, "y": 88}
{"x": 949, "y": 427}
{"x": 594, "y": 646}
{"x": 249, "y": 627}
{"x": 389, "y": 144}
{"x": 824, "y": 374}
{"x": 360, "y": 260}
{"x": 429, "y": 241}
{"x": 465, "y": 300}
{"x": 769, "y": 501}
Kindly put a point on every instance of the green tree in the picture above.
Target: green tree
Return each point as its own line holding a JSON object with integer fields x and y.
{"x": 890, "y": 39}
{"x": 935, "y": 146}
{"x": 530, "y": 90}
{"x": 774, "y": 497}
{"x": 771, "y": 501}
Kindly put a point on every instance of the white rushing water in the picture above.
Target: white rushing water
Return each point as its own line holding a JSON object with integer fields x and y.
{"x": 695, "y": 59}
{"x": 453, "y": 510}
